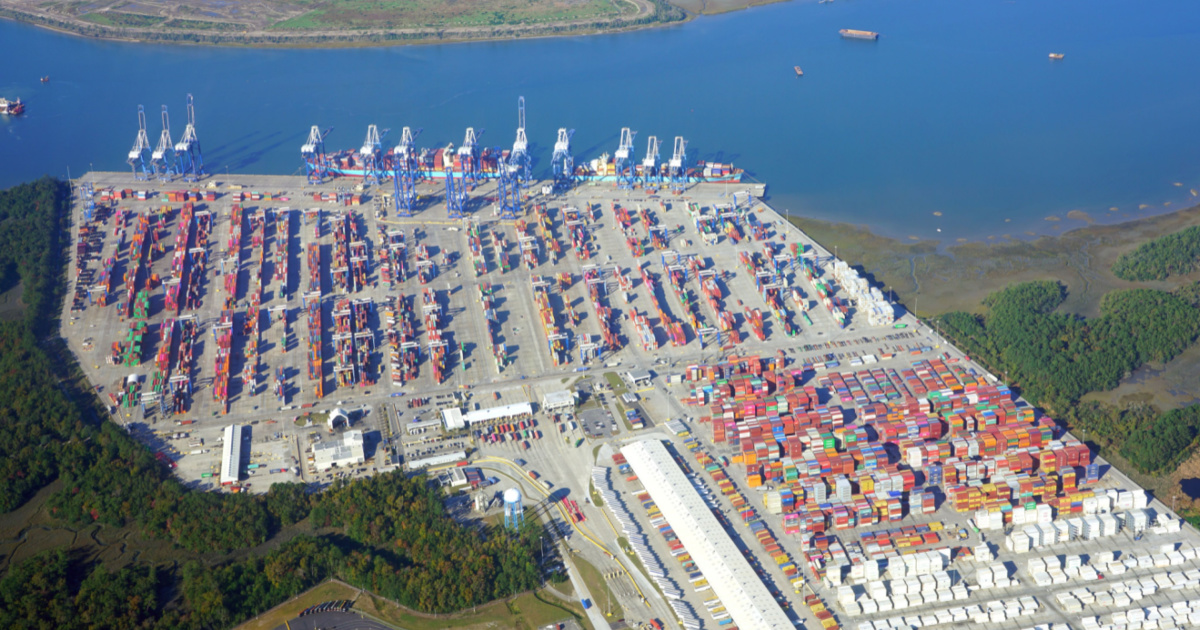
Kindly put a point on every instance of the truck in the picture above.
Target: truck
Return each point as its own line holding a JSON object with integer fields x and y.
{"x": 587, "y": 603}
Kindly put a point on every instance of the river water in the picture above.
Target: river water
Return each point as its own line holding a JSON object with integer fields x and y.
{"x": 957, "y": 109}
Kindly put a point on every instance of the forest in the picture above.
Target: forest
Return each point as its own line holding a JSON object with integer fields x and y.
{"x": 1171, "y": 255}
{"x": 389, "y": 534}
{"x": 1057, "y": 358}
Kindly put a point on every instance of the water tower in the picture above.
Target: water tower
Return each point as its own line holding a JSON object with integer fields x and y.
{"x": 514, "y": 514}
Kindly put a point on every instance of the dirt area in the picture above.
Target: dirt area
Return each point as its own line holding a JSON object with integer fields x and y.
{"x": 349, "y": 23}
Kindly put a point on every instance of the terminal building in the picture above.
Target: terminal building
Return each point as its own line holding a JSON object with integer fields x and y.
{"x": 344, "y": 453}
{"x": 231, "y": 454}
{"x": 638, "y": 379}
{"x": 734, "y": 581}
{"x": 455, "y": 419}
{"x": 559, "y": 401}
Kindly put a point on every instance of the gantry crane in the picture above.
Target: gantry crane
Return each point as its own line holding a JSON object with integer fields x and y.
{"x": 405, "y": 169}
{"x": 468, "y": 157}
{"x": 519, "y": 158}
{"x": 510, "y": 187}
{"x": 623, "y": 159}
{"x": 456, "y": 181}
{"x": 141, "y": 145}
{"x": 163, "y": 157}
{"x": 678, "y": 166}
{"x": 562, "y": 164}
{"x": 651, "y": 177}
{"x": 187, "y": 151}
{"x": 313, "y": 153}
{"x": 371, "y": 155}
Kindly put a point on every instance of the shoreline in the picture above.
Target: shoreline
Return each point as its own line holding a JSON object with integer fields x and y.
{"x": 933, "y": 277}
{"x": 423, "y": 36}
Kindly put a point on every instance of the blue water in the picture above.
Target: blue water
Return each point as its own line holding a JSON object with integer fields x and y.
{"x": 956, "y": 109}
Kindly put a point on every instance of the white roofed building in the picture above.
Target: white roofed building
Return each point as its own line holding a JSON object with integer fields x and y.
{"x": 231, "y": 454}
{"x": 732, "y": 578}
{"x": 346, "y": 452}
{"x": 562, "y": 400}
{"x": 455, "y": 419}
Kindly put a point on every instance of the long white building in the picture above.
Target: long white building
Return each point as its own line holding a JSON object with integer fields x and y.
{"x": 732, "y": 578}
{"x": 231, "y": 454}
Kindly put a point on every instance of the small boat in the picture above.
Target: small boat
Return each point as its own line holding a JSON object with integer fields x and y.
{"x": 12, "y": 108}
{"x": 799, "y": 72}
{"x": 46, "y": 79}
{"x": 1056, "y": 55}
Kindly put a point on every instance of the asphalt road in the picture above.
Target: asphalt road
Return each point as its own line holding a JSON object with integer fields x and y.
{"x": 333, "y": 621}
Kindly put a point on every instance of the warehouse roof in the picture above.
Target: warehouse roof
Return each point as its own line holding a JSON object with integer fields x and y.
{"x": 347, "y": 451}
{"x": 733, "y": 580}
{"x": 497, "y": 413}
{"x": 560, "y": 398}
{"x": 231, "y": 454}
{"x": 436, "y": 460}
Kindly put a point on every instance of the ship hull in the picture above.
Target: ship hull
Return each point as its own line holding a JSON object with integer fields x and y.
{"x": 438, "y": 175}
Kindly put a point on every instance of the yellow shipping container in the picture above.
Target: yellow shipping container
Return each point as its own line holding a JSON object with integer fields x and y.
{"x": 828, "y": 623}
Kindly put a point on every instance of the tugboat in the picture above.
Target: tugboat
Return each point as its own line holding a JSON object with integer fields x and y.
{"x": 11, "y": 108}
{"x": 1056, "y": 55}
{"x": 799, "y": 72}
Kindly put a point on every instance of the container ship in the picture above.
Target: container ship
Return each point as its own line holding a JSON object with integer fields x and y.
{"x": 347, "y": 163}
{"x": 850, "y": 33}
{"x": 11, "y": 108}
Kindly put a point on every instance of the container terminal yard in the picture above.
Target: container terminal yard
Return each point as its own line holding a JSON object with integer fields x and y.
{"x": 731, "y": 425}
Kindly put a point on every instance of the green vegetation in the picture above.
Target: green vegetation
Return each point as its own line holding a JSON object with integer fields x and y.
{"x": 345, "y": 23}
{"x": 202, "y": 25}
{"x": 389, "y": 534}
{"x": 116, "y": 18}
{"x": 325, "y": 592}
{"x": 597, "y": 586}
{"x": 528, "y": 610}
{"x": 1057, "y": 358}
{"x": 1173, "y": 254}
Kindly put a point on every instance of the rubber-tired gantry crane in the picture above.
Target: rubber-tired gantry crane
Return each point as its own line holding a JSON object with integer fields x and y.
{"x": 187, "y": 151}
{"x": 623, "y": 159}
{"x": 316, "y": 165}
{"x": 141, "y": 146}
{"x": 651, "y": 177}
{"x": 163, "y": 157}
{"x": 405, "y": 170}
{"x": 371, "y": 155}
{"x": 562, "y": 164}
{"x": 678, "y": 166}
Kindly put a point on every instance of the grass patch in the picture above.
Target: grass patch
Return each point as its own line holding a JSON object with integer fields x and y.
{"x": 202, "y": 25}
{"x": 637, "y": 562}
{"x": 326, "y": 592}
{"x": 596, "y": 500}
{"x": 528, "y": 610}
{"x": 116, "y": 18}
{"x": 566, "y": 587}
{"x": 602, "y": 596}
{"x": 615, "y": 382}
